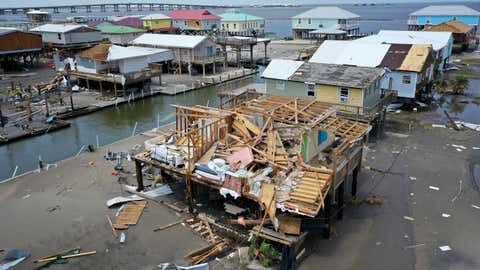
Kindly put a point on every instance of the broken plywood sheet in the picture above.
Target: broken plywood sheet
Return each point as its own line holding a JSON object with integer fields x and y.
{"x": 241, "y": 159}
{"x": 122, "y": 199}
{"x": 267, "y": 195}
{"x": 289, "y": 224}
{"x": 131, "y": 213}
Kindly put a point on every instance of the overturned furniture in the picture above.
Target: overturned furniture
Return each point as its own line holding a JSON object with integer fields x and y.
{"x": 290, "y": 156}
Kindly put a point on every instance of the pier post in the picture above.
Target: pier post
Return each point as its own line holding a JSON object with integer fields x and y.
{"x": 89, "y": 9}
{"x": 2, "y": 122}
{"x": 152, "y": 7}
{"x": 239, "y": 56}
{"x": 47, "y": 113}
{"x": 265, "y": 58}
{"x": 203, "y": 68}
{"x": 56, "y": 10}
{"x": 251, "y": 55}
{"x": 129, "y": 8}
{"x": 138, "y": 168}
{"x": 115, "y": 8}
{"x": 340, "y": 199}
{"x": 354, "y": 181}
{"x": 103, "y": 8}
{"x": 73, "y": 10}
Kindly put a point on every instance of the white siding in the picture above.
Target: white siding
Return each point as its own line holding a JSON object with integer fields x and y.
{"x": 132, "y": 64}
{"x": 403, "y": 90}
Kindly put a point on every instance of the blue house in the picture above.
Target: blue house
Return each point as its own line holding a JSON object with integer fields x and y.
{"x": 433, "y": 15}
{"x": 327, "y": 20}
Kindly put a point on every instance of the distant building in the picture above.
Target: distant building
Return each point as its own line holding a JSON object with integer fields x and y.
{"x": 433, "y": 15}
{"x": 441, "y": 42}
{"x": 38, "y": 16}
{"x": 326, "y": 20}
{"x": 157, "y": 23}
{"x": 235, "y": 23}
{"x": 132, "y": 21}
{"x": 199, "y": 20}
{"x": 68, "y": 35}
{"x": 118, "y": 34}
{"x": 463, "y": 34}
{"x": 189, "y": 49}
{"x": 409, "y": 67}
{"x": 354, "y": 87}
{"x": 16, "y": 45}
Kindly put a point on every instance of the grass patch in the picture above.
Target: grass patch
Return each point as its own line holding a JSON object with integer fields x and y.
{"x": 471, "y": 61}
{"x": 469, "y": 73}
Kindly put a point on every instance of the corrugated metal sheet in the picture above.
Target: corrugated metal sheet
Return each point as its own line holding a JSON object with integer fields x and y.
{"x": 281, "y": 69}
{"x": 395, "y": 56}
{"x": 451, "y": 10}
{"x": 327, "y": 13}
{"x": 350, "y": 53}
{"x": 438, "y": 40}
{"x": 338, "y": 75}
{"x": 169, "y": 41}
{"x": 60, "y": 28}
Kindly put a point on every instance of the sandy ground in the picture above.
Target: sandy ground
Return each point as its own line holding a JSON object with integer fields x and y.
{"x": 78, "y": 192}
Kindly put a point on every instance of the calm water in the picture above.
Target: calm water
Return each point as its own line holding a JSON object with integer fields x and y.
{"x": 373, "y": 18}
{"x": 110, "y": 125}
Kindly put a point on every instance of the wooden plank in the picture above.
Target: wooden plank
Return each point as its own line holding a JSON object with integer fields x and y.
{"x": 131, "y": 213}
{"x": 289, "y": 224}
{"x": 302, "y": 199}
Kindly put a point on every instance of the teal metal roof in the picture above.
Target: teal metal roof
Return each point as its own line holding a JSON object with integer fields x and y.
{"x": 118, "y": 29}
{"x": 235, "y": 15}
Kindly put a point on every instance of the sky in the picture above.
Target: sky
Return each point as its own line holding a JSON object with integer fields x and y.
{"x": 29, "y": 3}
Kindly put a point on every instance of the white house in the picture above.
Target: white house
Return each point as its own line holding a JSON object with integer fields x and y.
{"x": 409, "y": 67}
{"x": 441, "y": 42}
{"x": 236, "y": 23}
{"x": 107, "y": 58}
{"x": 188, "y": 49}
{"x": 68, "y": 35}
{"x": 325, "y": 20}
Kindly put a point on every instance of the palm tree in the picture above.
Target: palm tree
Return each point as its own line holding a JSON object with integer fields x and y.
{"x": 459, "y": 84}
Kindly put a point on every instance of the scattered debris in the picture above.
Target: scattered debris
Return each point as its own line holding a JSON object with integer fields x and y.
{"x": 168, "y": 225}
{"x": 53, "y": 208}
{"x": 171, "y": 266}
{"x": 26, "y": 196}
{"x": 152, "y": 193}
{"x": 414, "y": 246}
{"x": 472, "y": 126}
{"x": 438, "y": 126}
{"x": 207, "y": 252}
{"x": 233, "y": 209}
{"x": 13, "y": 257}
{"x": 122, "y": 200}
{"x": 444, "y": 248}
{"x": 459, "y": 191}
{"x": 445, "y": 215}
{"x": 123, "y": 237}
{"x": 434, "y": 188}
{"x": 373, "y": 200}
{"x": 54, "y": 258}
{"x": 244, "y": 222}
{"x": 408, "y": 218}
{"x": 130, "y": 215}
{"x": 452, "y": 123}
{"x": 475, "y": 206}
{"x": 115, "y": 233}
{"x": 412, "y": 178}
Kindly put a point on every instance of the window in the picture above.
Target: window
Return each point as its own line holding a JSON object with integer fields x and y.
{"x": 223, "y": 25}
{"x": 310, "y": 89}
{"x": 280, "y": 85}
{"x": 185, "y": 22}
{"x": 59, "y": 36}
{"x": 234, "y": 26}
{"x": 406, "y": 79}
{"x": 299, "y": 21}
{"x": 344, "y": 95}
{"x": 309, "y": 21}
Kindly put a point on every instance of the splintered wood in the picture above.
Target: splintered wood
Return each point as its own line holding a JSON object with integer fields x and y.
{"x": 309, "y": 193}
{"x": 130, "y": 214}
{"x": 201, "y": 227}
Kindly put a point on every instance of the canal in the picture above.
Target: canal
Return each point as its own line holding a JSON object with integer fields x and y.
{"x": 111, "y": 124}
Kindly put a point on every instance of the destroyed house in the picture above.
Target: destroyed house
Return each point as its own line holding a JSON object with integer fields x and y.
{"x": 463, "y": 34}
{"x": 354, "y": 90}
{"x": 291, "y": 157}
{"x": 119, "y": 65}
{"x": 409, "y": 68}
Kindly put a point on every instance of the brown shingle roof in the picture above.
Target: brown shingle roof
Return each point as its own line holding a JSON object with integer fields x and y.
{"x": 453, "y": 26}
{"x": 98, "y": 52}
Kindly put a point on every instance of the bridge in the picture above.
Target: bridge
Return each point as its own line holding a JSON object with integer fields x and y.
{"x": 111, "y": 7}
